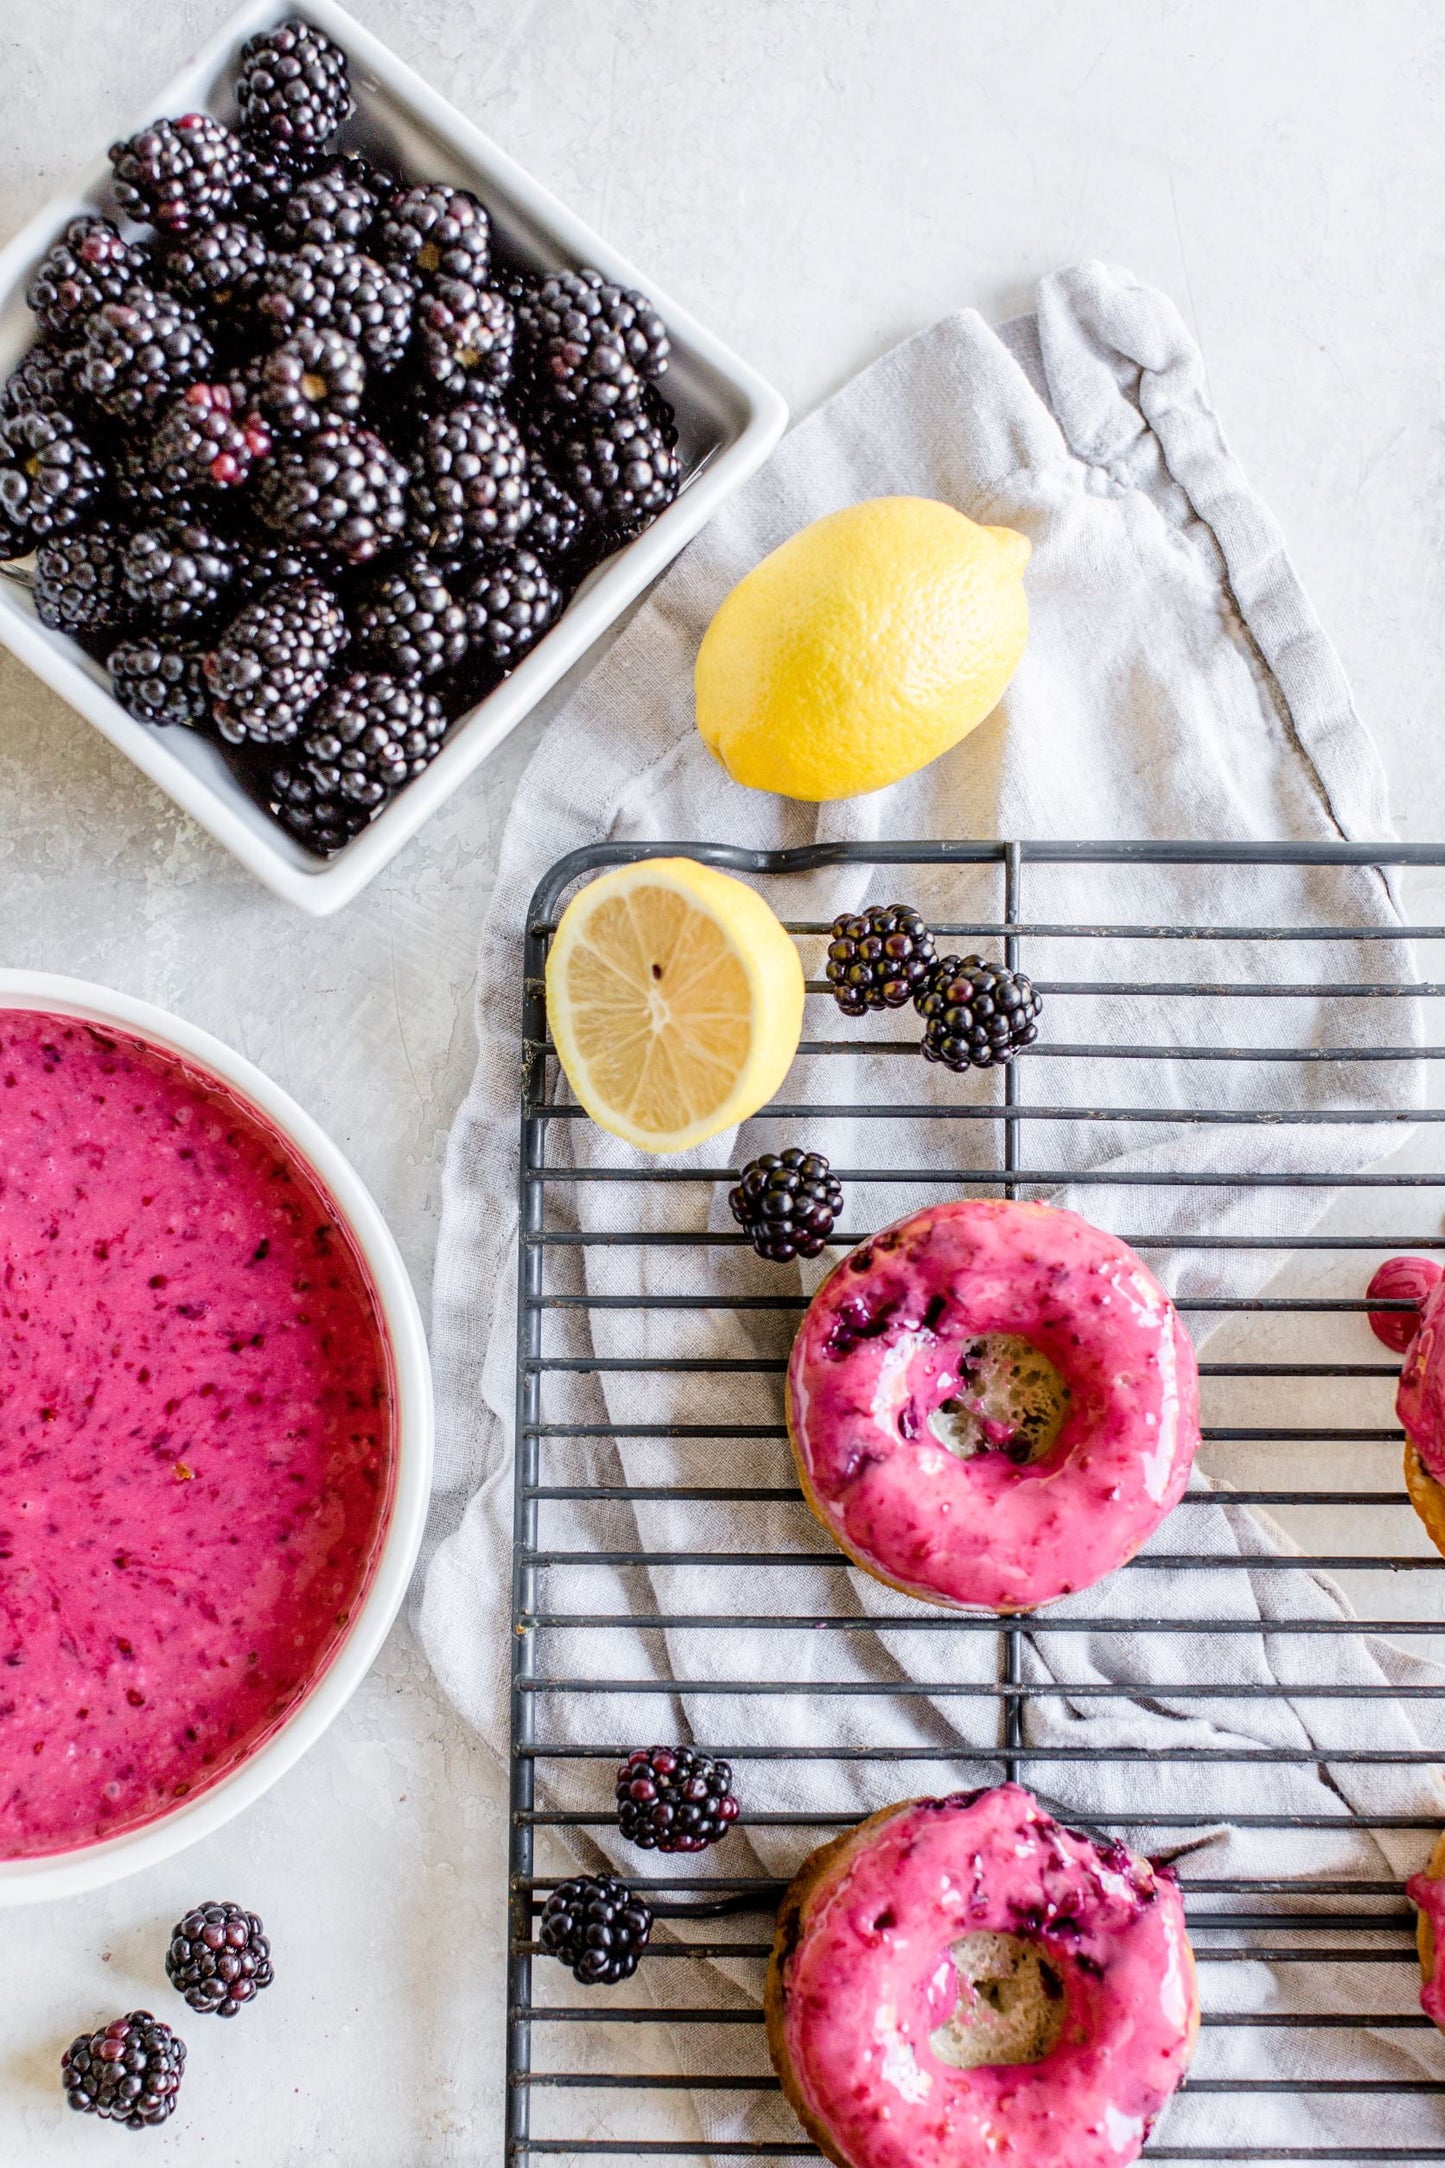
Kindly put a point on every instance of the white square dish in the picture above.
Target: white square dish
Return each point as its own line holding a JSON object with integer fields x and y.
{"x": 728, "y": 420}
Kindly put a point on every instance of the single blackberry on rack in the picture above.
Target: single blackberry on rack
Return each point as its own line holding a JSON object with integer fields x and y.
{"x": 179, "y": 175}
{"x": 218, "y": 269}
{"x": 510, "y": 604}
{"x": 314, "y": 376}
{"x": 597, "y": 1926}
{"x": 336, "y": 288}
{"x": 623, "y": 468}
{"x": 787, "y": 1204}
{"x": 219, "y": 1958}
{"x": 50, "y": 478}
{"x": 339, "y": 489}
{"x": 674, "y": 1799}
{"x": 203, "y": 442}
{"x": 160, "y": 680}
{"x": 89, "y": 265}
{"x": 176, "y": 572}
{"x": 269, "y": 667}
{"x": 75, "y": 588}
{"x": 293, "y": 89}
{"x": 368, "y": 735}
{"x": 436, "y": 232}
{"x": 464, "y": 337}
{"x": 469, "y": 488}
{"x": 141, "y": 351}
{"x": 977, "y": 1014}
{"x": 338, "y": 203}
{"x": 129, "y": 2072}
{"x": 44, "y": 378}
{"x": 409, "y": 618}
{"x": 324, "y": 825}
{"x": 878, "y": 958}
{"x": 591, "y": 346}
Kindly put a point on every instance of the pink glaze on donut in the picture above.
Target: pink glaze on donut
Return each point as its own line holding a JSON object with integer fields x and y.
{"x": 1420, "y": 1401}
{"x": 1427, "y": 1892}
{"x": 871, "y": 1978}
{"x": 878, "y": 1354}
{"x": 1400, "y": 1279}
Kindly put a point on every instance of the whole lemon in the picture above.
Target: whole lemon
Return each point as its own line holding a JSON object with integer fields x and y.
{"x": 862, "y": 648}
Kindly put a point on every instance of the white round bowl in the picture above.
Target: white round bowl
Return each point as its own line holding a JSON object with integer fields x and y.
{"x": 62, "y": 1874}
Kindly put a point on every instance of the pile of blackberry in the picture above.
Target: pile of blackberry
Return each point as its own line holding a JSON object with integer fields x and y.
{"x": 309, "y": 465}
{"x": 977, "y": 1015}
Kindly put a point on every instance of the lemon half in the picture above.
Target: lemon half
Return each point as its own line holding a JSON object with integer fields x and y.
{"x": 675, "y": 999}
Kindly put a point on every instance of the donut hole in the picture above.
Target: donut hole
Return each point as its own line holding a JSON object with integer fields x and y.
{"x": 1010, "y": 1400}
{"x": 1010, "y": 2006}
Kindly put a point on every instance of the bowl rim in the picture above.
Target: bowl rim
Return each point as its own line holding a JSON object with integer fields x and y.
{"x": 319, "y": 887}
{"x": 63, "y": 1874}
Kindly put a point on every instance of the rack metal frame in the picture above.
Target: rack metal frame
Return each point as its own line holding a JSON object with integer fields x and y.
{"x": 1379, "y": 1935}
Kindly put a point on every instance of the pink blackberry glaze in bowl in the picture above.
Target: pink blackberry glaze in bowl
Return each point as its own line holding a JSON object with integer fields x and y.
{"x": 215, "y": 1434}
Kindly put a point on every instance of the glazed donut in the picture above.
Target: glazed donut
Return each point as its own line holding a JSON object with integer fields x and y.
{"x": 992, "y": 1404}
{"x": 1420, "y": 1400}
{"x": 962, "y": 1983}
{"x": 1427, "y": 1893}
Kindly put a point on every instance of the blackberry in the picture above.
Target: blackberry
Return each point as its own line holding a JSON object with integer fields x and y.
{"x": 202, "y": 442}
{"x": 140, "y": 351}
{"x": 314, "y": 376}
{"x": 45, "y": 377}
{"x": 325, "y": 825}
{"x": 75, "y": 579}
{"x": 219, "y": 269}
{"x": 623, "y": 469}
{"x": 673, "y": 1799}
{"x": 340, "y": 489}
{"x": 160, "y": 680}
{"x": 270, "y": 665}
{"x": 591, "y": 346}
{"x": 787, "y": 1204}
{"x": 878, "y": 958}
{"x": 261, "y": 563}
{"x": 293, "y": 88}
{"x": 339, "y": 203}
{"x": 267, "y": 186}
{"x": 50, "y": 479}
{"x": 176, "y": 572}
{"x": 409, "y": 618}
{"x": 978, "y": 1014}
{"x": 558, "y": 527}
{"x": 127, "y": 2073}
{"x": 179, "y": 175}
{"x": 369, "y": 734}
{"x": 469, "y": 489}
{"x": 510, "y": 604}
{"x": 219, "y": 1958}
{"x": 464, "y": 337}
{"x": 436, "y": 232}
{"x": 595, "y": 1924}
{"x": 336, "y": 288}
{"x": 144, "y": 490}
{"x": 88, "y": 266}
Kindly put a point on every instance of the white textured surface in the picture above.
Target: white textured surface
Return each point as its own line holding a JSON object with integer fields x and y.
{"x": 815, "y": 180}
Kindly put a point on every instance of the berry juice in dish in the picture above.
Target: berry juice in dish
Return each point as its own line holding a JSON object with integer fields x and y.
{"x": 196, "y": 1432}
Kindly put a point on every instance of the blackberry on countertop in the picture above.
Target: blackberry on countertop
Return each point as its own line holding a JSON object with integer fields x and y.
{"x": 878, "y": 958}
{"x": 339, "y": 489}
{"x": 409, "y": 618}
{"x": 368, "y": 735}
{"x": 219, "y": 269}
{"x": 787, "y": 1204}
{"x": 674, "y": 1799}
{"x": 269, "y": 667}
{"x": 45, "y": 377}
{"x": 314, "y": 376}
{"x": 202, "y": 442}
{"x": 219, "y": 1958}
{"x": 464, "y": 337}
{"x": 89, "y": 265}
{"x": 469, "y": 489}
{"x": 591, "y": 345}
{"x": 339, "y": 203}
{"x": 50, "y": 478}
{"x": 977, "y": 1014}
{"x": 129, "y": 2072}
{"x": 336, "y": 288}
{"x": 140, "y": 351}
{"x": 597, "y": 1926}
{"x": 75, "y": 588}
{"x": 510, "y": 604}
{"x": 623, "y": 468}
{"x": 293, "y": 88}
{"x": 179, "y": 175}
{"x": 160, "y": 680}
{"x": 436, "y": 232}
{"x": 176, "y": 572}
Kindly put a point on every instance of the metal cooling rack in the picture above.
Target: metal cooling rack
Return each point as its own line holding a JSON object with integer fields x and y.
{"x": 560, "y": 2068}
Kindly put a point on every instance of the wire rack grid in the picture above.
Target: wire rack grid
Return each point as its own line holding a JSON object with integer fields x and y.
{"x": 557, "y": 2095}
